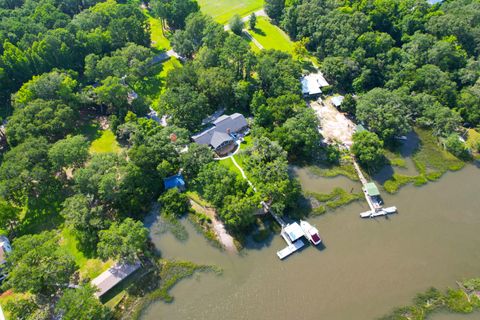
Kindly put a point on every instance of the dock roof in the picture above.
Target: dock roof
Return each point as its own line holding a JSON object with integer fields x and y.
{"x": 372, "y": 189}
{"x": 113, "y": 276}
{"x": 294, "y": 231}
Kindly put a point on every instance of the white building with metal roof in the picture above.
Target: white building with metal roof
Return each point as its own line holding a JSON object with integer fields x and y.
{"x": 312, "y": 84}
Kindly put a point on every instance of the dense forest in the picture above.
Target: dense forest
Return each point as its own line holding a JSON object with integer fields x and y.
{"x": 66, "y": 66}
{"x": 410, "y": 63}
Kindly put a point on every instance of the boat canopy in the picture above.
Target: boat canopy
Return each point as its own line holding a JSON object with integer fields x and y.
{"x": 294, "y": 231}
{"x": 372, "y": 189}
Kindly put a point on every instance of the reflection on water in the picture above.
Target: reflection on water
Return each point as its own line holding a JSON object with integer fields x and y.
{"x": 367, "y": 268}
{"x": 406, "y": 150}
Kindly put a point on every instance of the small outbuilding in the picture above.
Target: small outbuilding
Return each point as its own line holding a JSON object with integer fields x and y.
{"x": 175, "y": 181}
{"x": 113, "y": 276}
{"x": 337, "y": 101}
{"x": 360, "y": 128}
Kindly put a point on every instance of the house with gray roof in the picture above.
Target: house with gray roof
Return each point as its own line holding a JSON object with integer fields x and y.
{"x": 220, "y": 136}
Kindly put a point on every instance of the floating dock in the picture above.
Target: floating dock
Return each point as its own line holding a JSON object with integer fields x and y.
{"x": 378, "y": 213}
{"x": 291, "y": 233}
{"x": 291, "y": 248}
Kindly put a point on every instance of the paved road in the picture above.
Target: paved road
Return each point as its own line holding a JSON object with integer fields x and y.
{"x": 249, "y": 36}
{"x": 171, "y": 53}
{"x": 259, "y": 13}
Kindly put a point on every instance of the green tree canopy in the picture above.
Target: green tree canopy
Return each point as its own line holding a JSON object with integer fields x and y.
{"x": 123, "y": 241}
{"x": 384, "y": 112}
{"x": 174, "y": 203}
{"x": 236, "y": 24}
{"x": 368, "y": 149}
{"x": 69, "y": 152}
{"x": 39, "y": 265}
{"x": 25, "y": 171}
{"x": 80, "y": 304}
{"x": 175, "y": 12}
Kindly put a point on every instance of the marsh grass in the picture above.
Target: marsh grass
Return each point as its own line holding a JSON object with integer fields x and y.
{"x": 431, "y": 162}
{"x": 330, "y": 201}
{"x": 171, "y": 224}
{"x": 165, "y": 274}
{"x": 458, "y": 300}
{"x": 345, "y": 169}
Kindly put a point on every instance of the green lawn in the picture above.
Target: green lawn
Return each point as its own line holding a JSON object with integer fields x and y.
{"x": 152, "y": 86}
{"x": 106, "y": 143}
{"x": 239, "y": 157}
{"x": 223, "y": 10}
{"x": 228, "y": 163}
{"x": 159, "y": 41}
{"x": 89, "y": 268}
{"x": 270, "y": 36}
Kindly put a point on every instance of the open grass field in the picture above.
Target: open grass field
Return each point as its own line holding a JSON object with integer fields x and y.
{"x": 222, "y": 10}
{"x": 159, "y": 41}
{"x": 106, "y": 143}
{"x": 270, "y": 36}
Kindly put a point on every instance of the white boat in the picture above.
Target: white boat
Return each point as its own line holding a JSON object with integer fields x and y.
{"x": 310, "y": 232}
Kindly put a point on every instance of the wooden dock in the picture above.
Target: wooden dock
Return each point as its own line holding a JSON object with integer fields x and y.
{"x": 376, "y": 209}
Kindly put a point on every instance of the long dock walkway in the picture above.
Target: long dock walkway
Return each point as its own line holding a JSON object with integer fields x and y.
{"x": 364, "y": 182}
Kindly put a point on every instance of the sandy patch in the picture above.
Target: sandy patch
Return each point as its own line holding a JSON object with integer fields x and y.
{"x": 335, "y": 127}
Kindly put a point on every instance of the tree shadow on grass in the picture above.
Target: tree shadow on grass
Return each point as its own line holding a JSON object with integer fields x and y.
{"x": 152, "y": 84}
{"x": 260, "y": 32}
{"x": 308, "y": 66}
{"x": 90, "y": 130}
{"x": 43, "y": 213}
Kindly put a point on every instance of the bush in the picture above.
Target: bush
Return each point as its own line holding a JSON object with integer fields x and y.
{"x": 457, "y": 147}
{"x": 349, "y": 104}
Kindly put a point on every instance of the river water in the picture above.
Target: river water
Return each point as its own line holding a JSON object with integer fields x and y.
{"x": 366, "y": 268}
